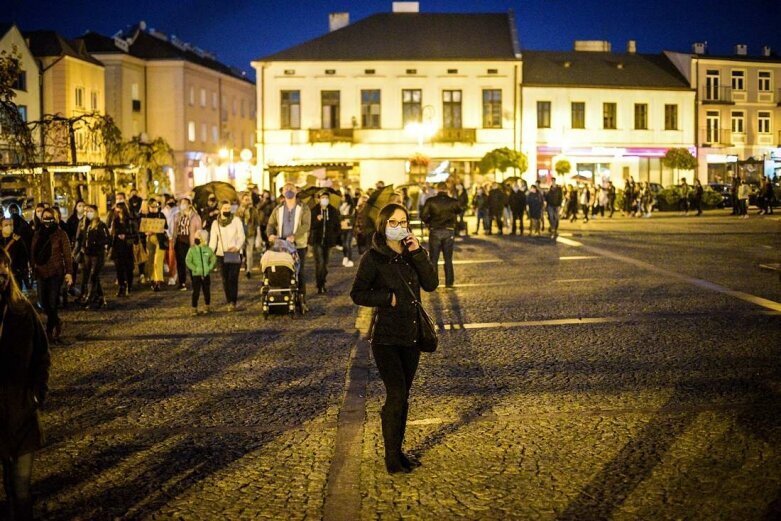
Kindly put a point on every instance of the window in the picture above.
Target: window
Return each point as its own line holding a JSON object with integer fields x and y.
{"x": 492, "y": 108}
{"x": 93, "y": 100}
{"x": 764, "y": 81}
{"x": 738, "y": 80}
{"x": 543, "y": 114}
{"x": 671, "y": 117}
{"x": 412, "y": 71}
{"x": 329, "y": 101}
{"x": 411, "y": 108}
{"x": 204, "y": 133}
{"x": 451, "y": 108}
{"x": 290, "y": 72}
{"x": 21, "y": 81}
{"x": 136, "y": 105}
{"x": 578, "y": 114}
{"x": 763, "y": 122}
{"x": 214, "y": 100}
{"x": 370, "y": 109}
{"x": 369, "y": 71}
{"x": 22, "y": 112}
{"x": 192, "y": 95}
{"x": 609, "y": 116}
{"x": 215, "y": 134}
{"x": 641, "y": 116}
{"x": 738, "y": 122}
{"x": 291, "y": 109}
{"x": 493, "y": 71}
{"x": 712, "y": 85}
{"x": 134, "y": 91}
{"x": 452, "y": 71}
{"x": 203, "y": 97}
{"x": 712, "y": 126}
{"x": 330, "y": 72}
{"x": 191, "y": 131}
{"x": 80, "y": 97}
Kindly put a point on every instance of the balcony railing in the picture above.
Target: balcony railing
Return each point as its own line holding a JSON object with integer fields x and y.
{"x": 330, "y": 135}
{"x": 456, "y": 135}
{"x": 721, "y": 138}
{"x": 721, "y": 94}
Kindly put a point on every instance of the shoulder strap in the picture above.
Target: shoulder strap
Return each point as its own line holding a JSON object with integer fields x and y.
{"x": 404, "y": 283}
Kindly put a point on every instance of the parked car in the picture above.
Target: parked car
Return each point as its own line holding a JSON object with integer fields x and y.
{"x": 726, "y": 194}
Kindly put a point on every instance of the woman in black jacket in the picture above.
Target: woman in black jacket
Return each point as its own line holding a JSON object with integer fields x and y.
{"x": 395, "y": 260}
{"x": 24, "y": 375}
{"x": 95, "y": 243}
{"x": 123, "y": 236}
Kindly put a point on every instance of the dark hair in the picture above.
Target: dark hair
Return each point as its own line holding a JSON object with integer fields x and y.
{"x": 153, "y": 201}
{"x": 15, "y": 297}
{"x": 385, "y": 215}
{"x": 47, "y": 210}
{"x": 76, "y": 204}
{"x": 442, "y": 186}
{"x": 224, "y": 202}
{"x": 120, "y": 193}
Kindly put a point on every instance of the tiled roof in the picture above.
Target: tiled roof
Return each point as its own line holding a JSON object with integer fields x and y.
{"x": 413, "y": 36}
{"x": 601, "y": 69}
{"x": 146, "y": 46}
{"x": 51, "y": 43}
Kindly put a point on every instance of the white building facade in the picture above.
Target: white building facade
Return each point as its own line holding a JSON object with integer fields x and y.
{"x": 362, "y": 102}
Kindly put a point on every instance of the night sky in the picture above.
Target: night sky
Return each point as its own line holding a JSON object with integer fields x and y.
{"x": 239, "y": 31}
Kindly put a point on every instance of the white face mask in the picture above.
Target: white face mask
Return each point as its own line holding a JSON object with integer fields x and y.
{"x": 90, "y": 215}
{"x": 184, "y": 207}
{"x": 396, "y": 234}
{"x": 324, "y": 202}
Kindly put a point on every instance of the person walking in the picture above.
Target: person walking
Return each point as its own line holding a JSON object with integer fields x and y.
{"x": 53, "y": 265}
{"x": 766, "y": 196}
{"x": 14, "y": 245}
{"x": 517, "y": 203}
{"x": 226, "y": 239}
{"x": 585, "y": 200}
{"x": 291, "y": 221}
{"x": 697, "y": 195}
{"x": 170, "y": 210}
{"x": 630, "y": 193}
{"x": 553, "y": 200}
{"x": 123, "y": 236}
{"x": 572, "y": 204}
{"x": 362, "y": 238}
{"x": 743, "y": 195}
{"x": 346, "y": 226}
{"x": 395, "y": 261}
{"x": 209, "y": 213}
{"x": 534, "y": 202}
{"x": 187, "y": 224}
{"x": 463, "y": 201}
{"x": 480, "y": 207}
{"x": 611, "y": 198}
{"x": 96, "y": 241}
{"x": 324, "y": 235}
{"x": 24, "y": 377}
{"x": 440, "y": 213}
{"x": 250, "y": 219}
{"x": 497, "y": 200}
{"x": 685, "y": 192}
{"x": 201, "y": 260}
{"x": 157, "y": 244}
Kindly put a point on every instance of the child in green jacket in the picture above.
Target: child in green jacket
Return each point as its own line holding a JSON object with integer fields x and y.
{"x": 200, "y": 261}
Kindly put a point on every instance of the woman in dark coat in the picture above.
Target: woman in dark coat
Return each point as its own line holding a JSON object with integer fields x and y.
{"x": 24, "y": 375}
{"x": 123, "y": 235}
{"x": 395, "y": 260}
{"x": 53, "y": 265}
{"x": 96, "y": 240}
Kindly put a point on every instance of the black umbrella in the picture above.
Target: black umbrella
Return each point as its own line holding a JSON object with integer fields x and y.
{"x": 310, "y": 196}
{"x": 221, "y": 190}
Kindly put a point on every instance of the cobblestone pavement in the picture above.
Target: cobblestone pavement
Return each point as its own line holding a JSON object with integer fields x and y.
{"x": 569, "y": 384}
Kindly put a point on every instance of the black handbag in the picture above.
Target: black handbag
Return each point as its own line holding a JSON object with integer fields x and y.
{"x": 428, "y": 338}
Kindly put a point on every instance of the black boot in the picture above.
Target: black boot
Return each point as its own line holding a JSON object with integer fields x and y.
{"x": 392, "y": 442}
{"x": 121, "y": 290}
{"x": 407, "y": 461}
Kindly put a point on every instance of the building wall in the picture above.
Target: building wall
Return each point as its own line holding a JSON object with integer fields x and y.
{"x": 628, "y": 151}
{"x": 29, "y": 98}
{"x": 122, "y": 73}
{"x": 382, "y": 152}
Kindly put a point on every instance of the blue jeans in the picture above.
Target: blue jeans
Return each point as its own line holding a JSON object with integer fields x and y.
{"x": 17, "y": 474}
{"x": 553, "y": 218}
{"x": 441, "y": 240}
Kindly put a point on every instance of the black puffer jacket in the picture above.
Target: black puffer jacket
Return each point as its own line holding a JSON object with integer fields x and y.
{"x": 378, "y": 279}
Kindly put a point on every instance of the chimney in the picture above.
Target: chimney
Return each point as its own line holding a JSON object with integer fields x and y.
{"x": 406, "y": 7}
{"x": 338, "y": 20}
{"x": 631, "y": 47}
{"x": 699, "y": 47}
{"x": 741, "y": 49}
{"x": 592, "y": 45}
{"x": 766, "y": 51}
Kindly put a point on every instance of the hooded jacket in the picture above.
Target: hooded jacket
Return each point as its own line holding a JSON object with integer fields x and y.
{"x": 382, "y": 273}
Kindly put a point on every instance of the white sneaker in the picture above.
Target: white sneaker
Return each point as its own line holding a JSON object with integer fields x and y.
{"x": 172, "y": 281}
{"x": 349, "y": 264}
{"x": 142, "y": 279}
{"x": 344, "y": 261}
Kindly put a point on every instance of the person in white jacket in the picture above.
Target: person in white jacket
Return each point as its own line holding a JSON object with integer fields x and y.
{"x": 226, "y": 239}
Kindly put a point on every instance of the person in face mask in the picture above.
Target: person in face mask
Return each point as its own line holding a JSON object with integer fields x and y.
{"x": 73, "y": 226}
{"x": 210, "y": 213}
{"x": 187, "y": 224}
{"x": 169, "y": 211}
{"x": 226, "y": 239}
{"x": 324, "y": 235}
{"x": 463, "y": 201}
{"x": 291, "y": 221}
{"x": 96, "y": 241}
{"x": 480, "y": 207}
{"x": 250, "y": 218}
{"x": 52, "y": 264}
{"x": 118, "y": 200}
{"x": 123, "y": 234}
{"x": 517, "y": 202}
{"x": 395, "y": 260}
{"x": 39, "y": 208}
{"x": 157, "y": 244}
{"x": 17, "y": 251}
{"x": 24, "y": 377}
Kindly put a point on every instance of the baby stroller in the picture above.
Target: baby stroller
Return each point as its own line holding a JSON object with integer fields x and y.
{"x": 279, "y": 291}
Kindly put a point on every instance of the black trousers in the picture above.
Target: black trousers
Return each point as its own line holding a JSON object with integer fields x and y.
{"x": 230, "y": 280}
{"x": 499, "y": 222}
{"x": 321, "y": 253}
{"x": 397, "y": 367}
{"x": 517, "y": 216}
{"x": 93, "y": 267}
{"x": 123, "y": 261}
{"x": 17, "y": 475}
{"x": 49, "y": 296}
{"x": 442, "y": 240}
{"x": 180, "y": 250}
{"x": 202, "y": 284}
